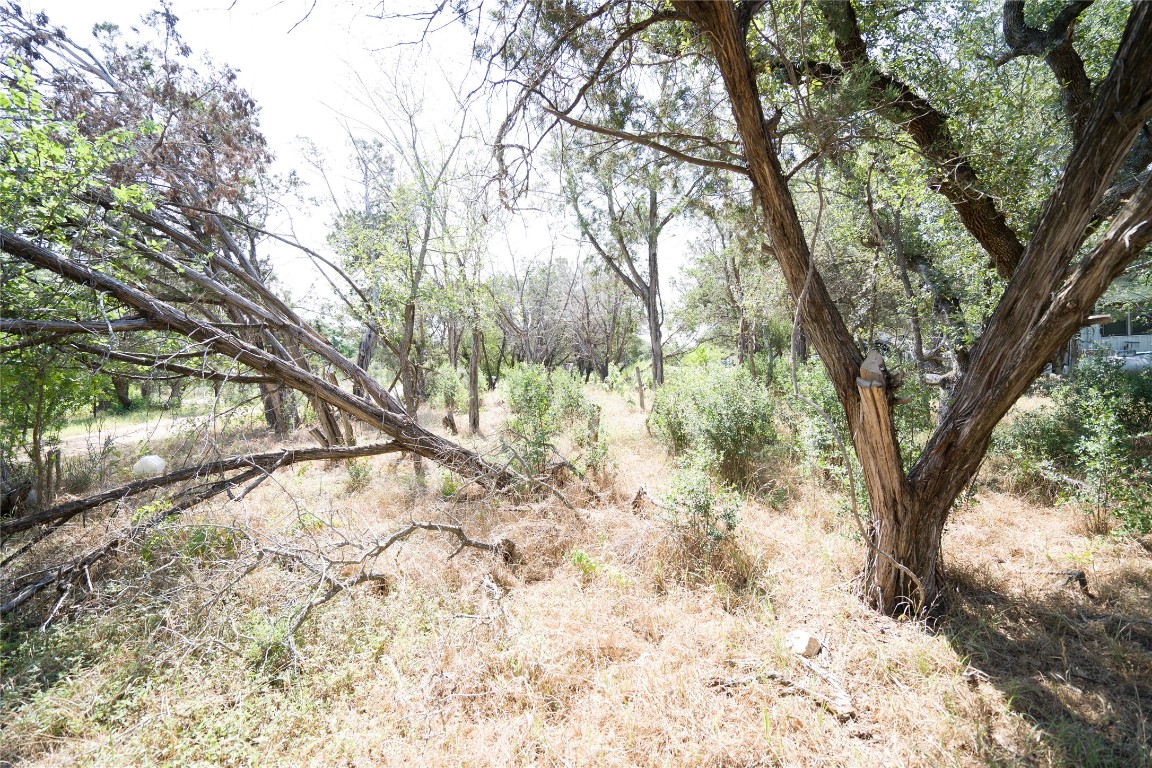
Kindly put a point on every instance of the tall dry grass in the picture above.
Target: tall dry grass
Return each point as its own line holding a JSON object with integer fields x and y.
{"x": 610, "y": 643}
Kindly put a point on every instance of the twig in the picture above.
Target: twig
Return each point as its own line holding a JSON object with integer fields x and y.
{"x": 78, "y": 567}
{"x": 839, "y": 705}
{"x": 265, "y": 461}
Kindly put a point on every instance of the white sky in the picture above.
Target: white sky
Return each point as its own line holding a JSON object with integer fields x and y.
{"x": 304, "y": 74}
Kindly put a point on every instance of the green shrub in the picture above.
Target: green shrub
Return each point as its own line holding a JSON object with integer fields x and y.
{"x": 359, "y": 475}
{"x": 1087, "y": 448}
{"x": 708, "y": 509}
{"x": 809, "y": 436}
{"x": 542, "y": 404}
{"x": 717, "y": 411}
{"x": 447, "y": 388}
{"x": 533, "y": 425}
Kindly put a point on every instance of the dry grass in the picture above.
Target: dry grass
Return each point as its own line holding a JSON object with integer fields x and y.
{"x": 610, "y": 644}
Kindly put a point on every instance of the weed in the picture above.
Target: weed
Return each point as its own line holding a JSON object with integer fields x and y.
{"x": 359, "y": 476}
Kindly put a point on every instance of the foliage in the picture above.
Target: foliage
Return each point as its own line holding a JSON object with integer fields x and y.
{"x": 48, "y": 165}
{"x": 1090, "y": 446}
{"x": 542, "y": 403}
{"x": 708, "y": 508}
{"x": 447, "y": 387}
{"x": 810, "y": 436}
{"x": 359, "y": 475}
{"x": 532, "y": 426}
{"x": 37, "y": 390}
{"x": 717, "y": 412}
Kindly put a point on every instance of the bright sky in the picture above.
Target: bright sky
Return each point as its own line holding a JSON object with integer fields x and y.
{"x": 305, "y": 69}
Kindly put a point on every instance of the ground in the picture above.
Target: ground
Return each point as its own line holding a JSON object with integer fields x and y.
{"x": 612, "y": 641}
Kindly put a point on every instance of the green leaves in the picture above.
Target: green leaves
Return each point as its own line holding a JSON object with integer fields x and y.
{"x": 716, "y": 412}
{"x": 46, "y": 164}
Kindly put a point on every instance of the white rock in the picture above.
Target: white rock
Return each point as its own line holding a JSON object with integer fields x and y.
{"x": 149, "y": 466}
{"x": 803, "y": 642}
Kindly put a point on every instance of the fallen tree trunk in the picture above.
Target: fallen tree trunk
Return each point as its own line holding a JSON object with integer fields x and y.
{"x": 266, "y": 462}
{"x": 403, "y": 429}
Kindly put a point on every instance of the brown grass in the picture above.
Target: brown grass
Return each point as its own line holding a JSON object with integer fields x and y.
{"x": 614, "y": 642}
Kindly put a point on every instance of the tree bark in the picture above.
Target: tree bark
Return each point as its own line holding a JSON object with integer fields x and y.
{"x": 120, "y": 387}
{"x": 273, "y": 414}
{"x": 474, "y": 383}
{"x": 655, "y": 316}
{"x": 928, "y": 127}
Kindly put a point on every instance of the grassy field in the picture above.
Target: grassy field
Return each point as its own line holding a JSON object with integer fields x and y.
{"x": 612, "y": 640}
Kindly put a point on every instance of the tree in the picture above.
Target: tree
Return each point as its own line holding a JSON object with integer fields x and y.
{"x": 1082, "y": 240}
{"x": 729, "y": 295}
{"x": 604, "y": 323}
{"x": 623, "y": 202}
{"x": 532, "y": 304}
{"x": 141, "y": 260}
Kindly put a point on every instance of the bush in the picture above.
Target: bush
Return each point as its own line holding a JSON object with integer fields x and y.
{"x": 447, "y": 388}
{"x": 542, "y": 404}
{"x": 810, "y": 437}
{"x": 718, "y": 412}
{"x": 708, "y": 509}
{"x": 533, "y": 425}
{"x": 1089, "y": 447}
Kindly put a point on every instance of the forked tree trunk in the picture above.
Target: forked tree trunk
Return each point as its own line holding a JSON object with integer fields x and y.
{"x": 902, "y": 566}
{"x": 1043, "y": 305}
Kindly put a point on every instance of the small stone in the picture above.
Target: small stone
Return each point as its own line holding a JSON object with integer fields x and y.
{"x": 803, "y": 642}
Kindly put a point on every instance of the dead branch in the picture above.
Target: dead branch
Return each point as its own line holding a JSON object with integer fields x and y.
{"x": 67, "y": 572}
{"x": 839, "y": 704}
{"x": 264, "y": 462}
{"x": 286, "y": 366}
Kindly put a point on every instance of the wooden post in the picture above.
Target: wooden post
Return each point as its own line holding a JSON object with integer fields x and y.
{"x": 640, "y": 387}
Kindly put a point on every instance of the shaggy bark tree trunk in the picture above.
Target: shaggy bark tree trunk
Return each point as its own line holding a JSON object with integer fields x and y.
{"x": 1046, "y": 300}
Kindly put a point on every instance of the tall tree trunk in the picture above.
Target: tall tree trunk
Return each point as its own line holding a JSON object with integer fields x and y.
{"x": 654, "y": 338}
{"x": 272, "y": 411}
{"x": 175, "y": 394}
{"x": 1046, "y": 299}
{"x": 474, "y": 383}
{"x": 408, "y": 378}
{"x": 123, "y": 396}
{"x": 655, "y": 318}
{"x": 873, "y": 434}
{"x": 800, "y": 347}
{"x": 364, "y": 354}
{"x": 455, "y": 335}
